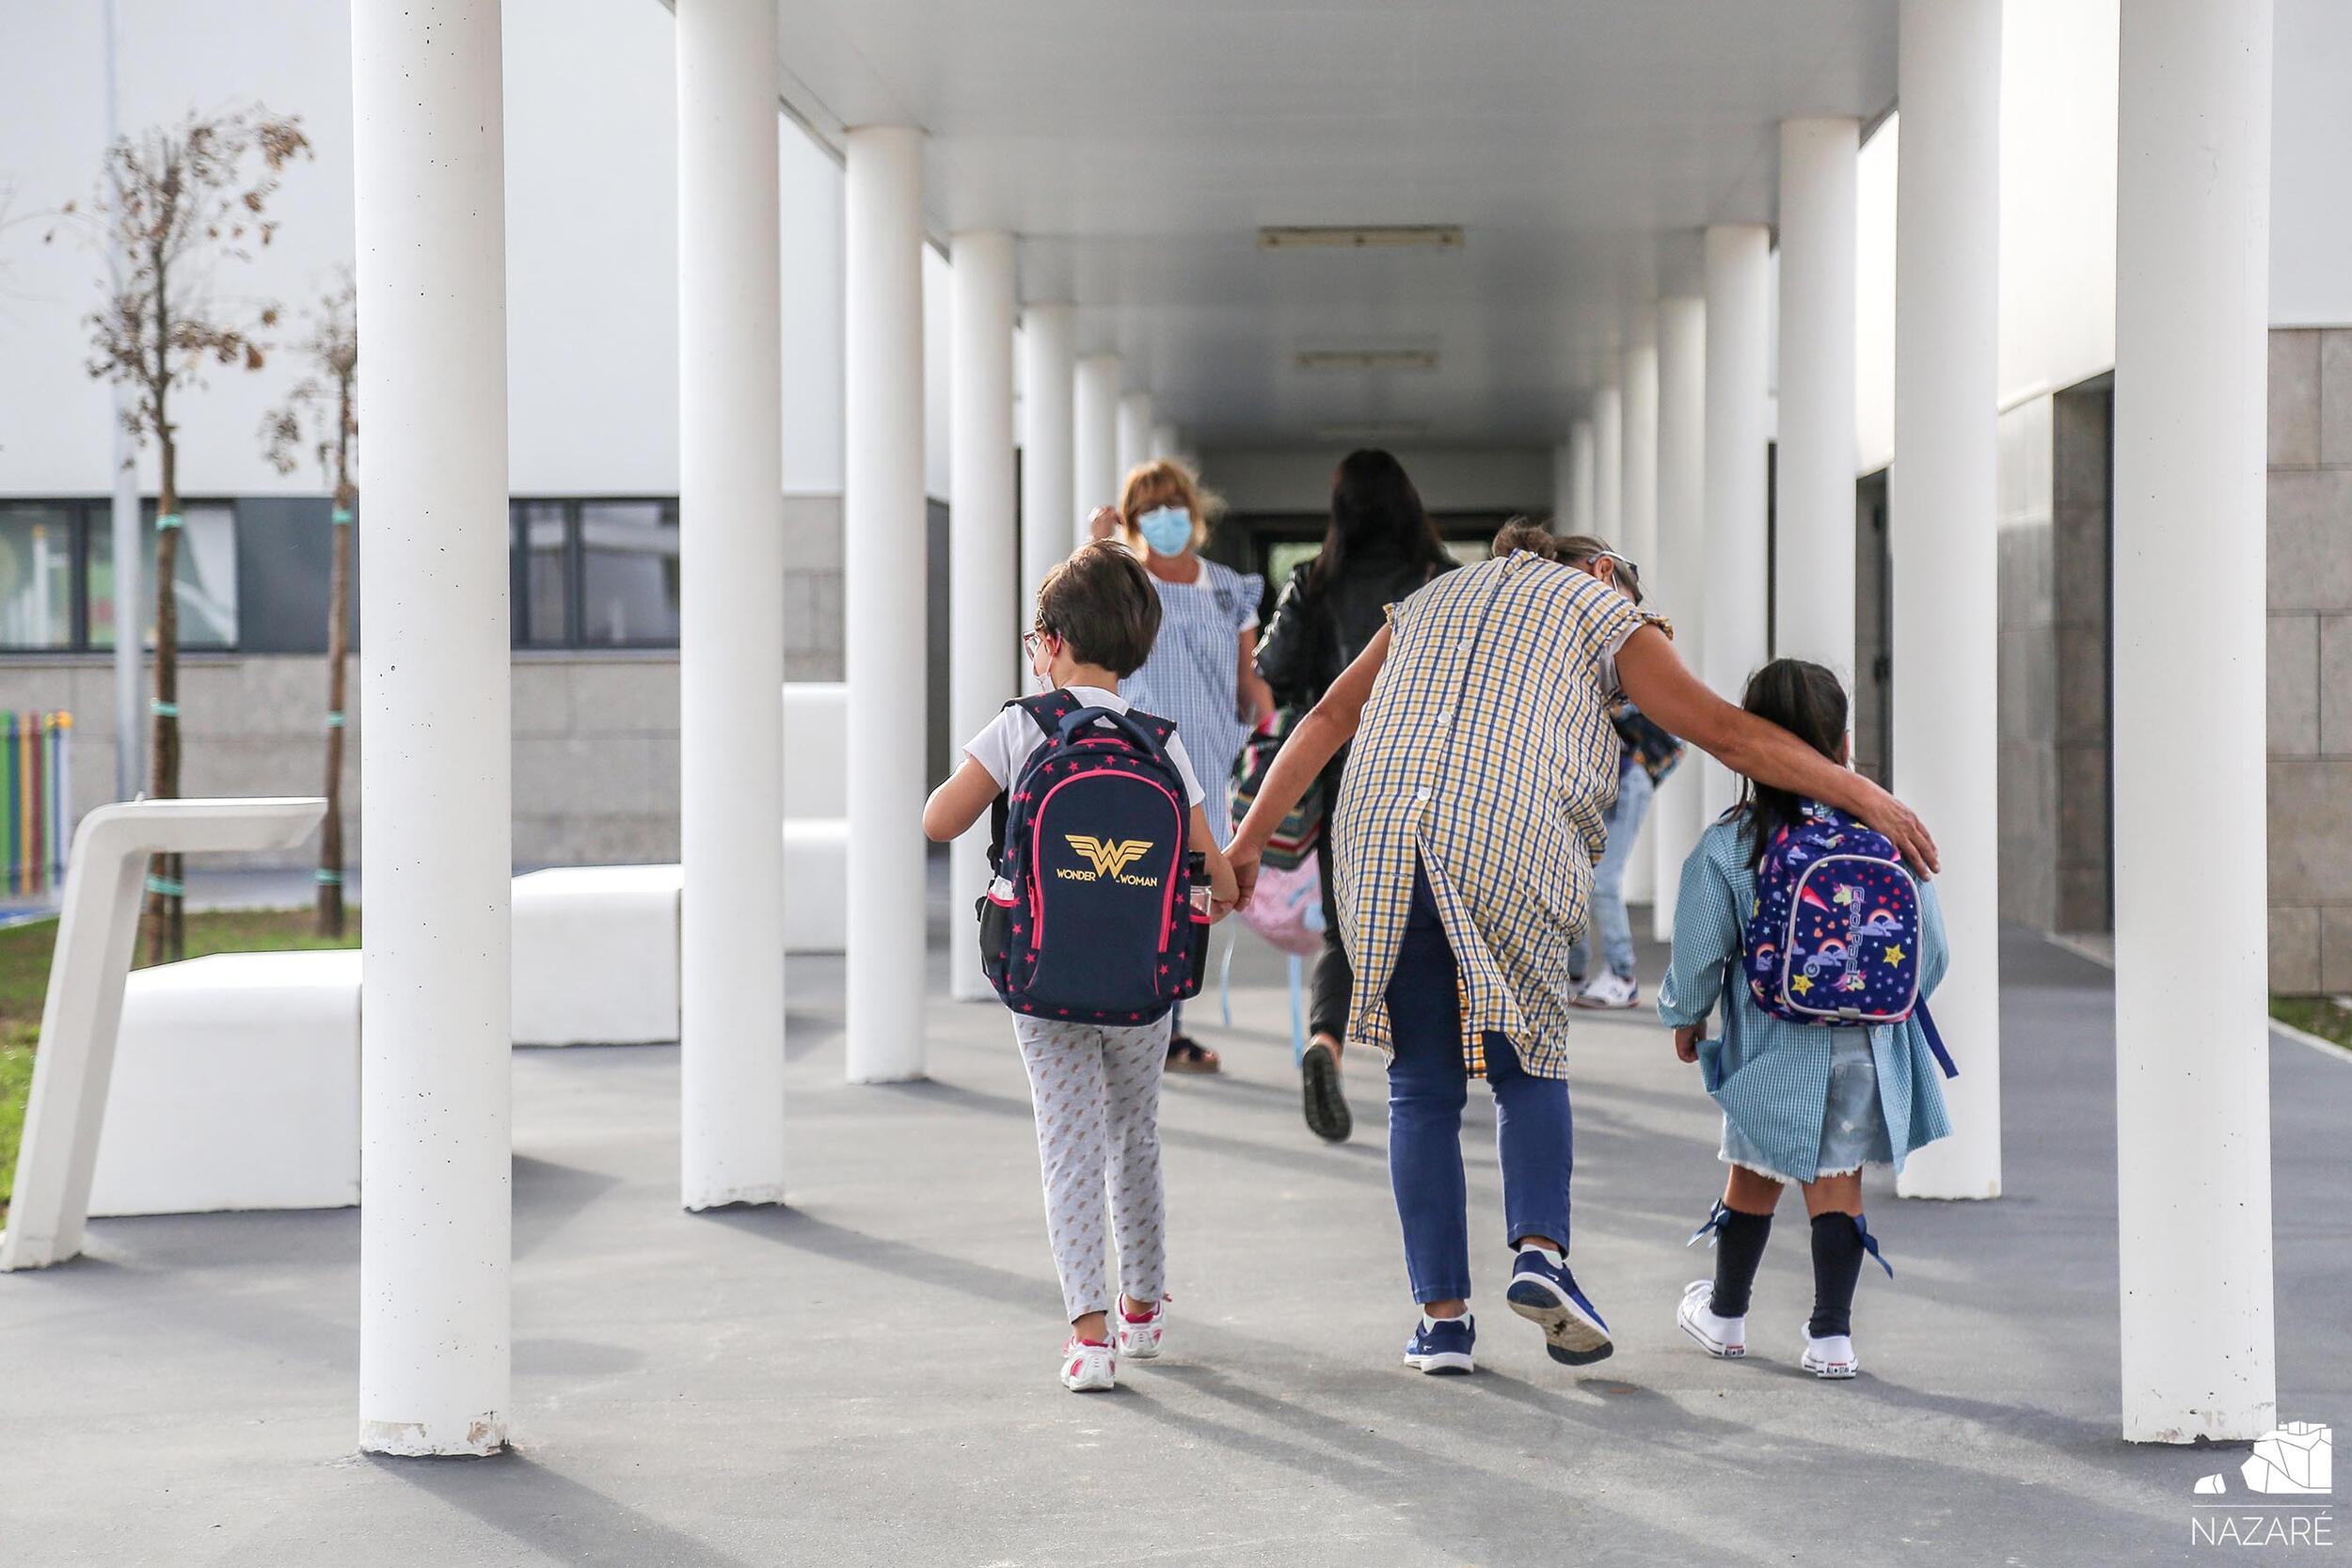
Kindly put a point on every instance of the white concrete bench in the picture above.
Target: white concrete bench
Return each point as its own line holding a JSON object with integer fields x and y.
{"x": 596, "y": 947}
{"x": 816, "y": 815}
{"x": 236, "y": 1086}
{"x": 595, "y": 954}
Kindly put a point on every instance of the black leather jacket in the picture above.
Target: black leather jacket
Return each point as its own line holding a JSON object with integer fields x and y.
{"x": 1314, "y": 636}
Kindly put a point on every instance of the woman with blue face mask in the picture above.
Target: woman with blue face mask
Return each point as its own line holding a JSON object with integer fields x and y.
{"x": 1201, "y": 673}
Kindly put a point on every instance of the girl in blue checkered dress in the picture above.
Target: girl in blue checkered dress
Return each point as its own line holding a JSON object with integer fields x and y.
{"x": 1804, "y": 1105}
{"x": 1201, "y": 674}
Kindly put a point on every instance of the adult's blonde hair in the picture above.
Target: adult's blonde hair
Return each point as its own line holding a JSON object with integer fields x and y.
{"x": 1164, "y": 482}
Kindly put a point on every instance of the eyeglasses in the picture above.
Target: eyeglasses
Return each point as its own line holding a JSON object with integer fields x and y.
{"x": 1032, "y": 641}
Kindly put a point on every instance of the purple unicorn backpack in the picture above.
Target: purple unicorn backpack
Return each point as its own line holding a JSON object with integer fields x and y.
{"x": 1834, "y": 936}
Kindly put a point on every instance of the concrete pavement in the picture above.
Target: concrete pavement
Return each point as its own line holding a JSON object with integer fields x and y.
{"x": 866, "y": 1377}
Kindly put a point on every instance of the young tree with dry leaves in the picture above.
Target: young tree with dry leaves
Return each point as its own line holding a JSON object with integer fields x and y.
{"x": 176, "y": 202}
{"x": 321, "y": 412}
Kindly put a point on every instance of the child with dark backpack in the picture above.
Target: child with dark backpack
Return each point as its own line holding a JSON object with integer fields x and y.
{"x": 1093, "y": 927}
{"x": 1805, "y": 931}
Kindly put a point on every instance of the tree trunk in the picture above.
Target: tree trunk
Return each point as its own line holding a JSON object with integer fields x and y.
{"x": 338, "y": 624}
{"x": 167, "y": 929}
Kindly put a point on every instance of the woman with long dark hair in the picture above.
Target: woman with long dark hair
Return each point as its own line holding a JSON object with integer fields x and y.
{"x": 1378, "y": 547}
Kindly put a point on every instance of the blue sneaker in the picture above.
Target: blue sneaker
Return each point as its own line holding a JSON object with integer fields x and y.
{"x": 1545, "y": 1294}
{"x": 1442, "y": 1344}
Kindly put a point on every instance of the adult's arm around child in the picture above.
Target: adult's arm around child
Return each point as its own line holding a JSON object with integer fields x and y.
{"x": 1654, "y": 675}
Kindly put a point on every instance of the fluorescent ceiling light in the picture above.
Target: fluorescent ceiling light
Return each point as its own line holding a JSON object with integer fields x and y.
{"x": 1376, "y": 430}
{"x": 1423, "y": 236}
{"x": 1367, "y": 359}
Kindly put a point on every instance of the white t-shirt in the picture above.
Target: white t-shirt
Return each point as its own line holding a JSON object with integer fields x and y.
{"x": 1012, "y": 734}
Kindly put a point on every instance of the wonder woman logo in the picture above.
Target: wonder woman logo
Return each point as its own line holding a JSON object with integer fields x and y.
{"x": 1110, "y": 857}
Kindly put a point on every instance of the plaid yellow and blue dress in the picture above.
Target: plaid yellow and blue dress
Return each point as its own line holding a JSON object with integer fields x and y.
{"x": 1485, "y": 755}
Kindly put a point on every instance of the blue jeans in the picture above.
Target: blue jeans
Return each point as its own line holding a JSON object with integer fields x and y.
{"x": 1624, "y": 822}
{"x": 1428, "y": 1086}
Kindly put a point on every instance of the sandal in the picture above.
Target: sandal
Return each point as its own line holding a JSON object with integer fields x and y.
{"x": 1186, "y": 1055}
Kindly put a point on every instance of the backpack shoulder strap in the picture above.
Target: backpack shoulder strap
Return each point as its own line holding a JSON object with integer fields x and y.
{"x": 1046, "y": 710}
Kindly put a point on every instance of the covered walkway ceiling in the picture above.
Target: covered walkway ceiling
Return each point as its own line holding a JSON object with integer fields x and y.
{"x": 1136, "y": 150}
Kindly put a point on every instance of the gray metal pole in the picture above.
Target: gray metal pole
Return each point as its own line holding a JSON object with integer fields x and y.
{"x": 130, "y": 705}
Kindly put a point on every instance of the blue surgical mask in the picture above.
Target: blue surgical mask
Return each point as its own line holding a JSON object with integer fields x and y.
{"x": 1167, "y": 529}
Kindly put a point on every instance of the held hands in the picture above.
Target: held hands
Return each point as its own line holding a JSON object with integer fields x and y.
{"x": 1687, "y": 1040}
{"x": 1104, "y": 522}
{"x": 1242, "y": 855}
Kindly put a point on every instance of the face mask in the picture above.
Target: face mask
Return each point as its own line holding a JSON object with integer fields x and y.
{"x": 1167, "y": 529}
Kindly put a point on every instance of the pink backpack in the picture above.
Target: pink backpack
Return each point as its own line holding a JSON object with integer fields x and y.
{"x": 1287, "y": 907}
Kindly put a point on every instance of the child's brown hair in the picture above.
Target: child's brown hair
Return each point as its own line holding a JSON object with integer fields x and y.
{"x": 1100, "y": 603}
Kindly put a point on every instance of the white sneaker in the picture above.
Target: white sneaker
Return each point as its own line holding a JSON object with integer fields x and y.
{"x": 1138, "y": 1338}
{"x": 1726, "y": 1338}
{"x": 1088, "y": 1368}
{"x": 1833, "y": 1356}
{"x": 1613, "y": 991}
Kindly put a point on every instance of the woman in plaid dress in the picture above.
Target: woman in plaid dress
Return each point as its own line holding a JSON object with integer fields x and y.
{"x": 1482, "y": 765}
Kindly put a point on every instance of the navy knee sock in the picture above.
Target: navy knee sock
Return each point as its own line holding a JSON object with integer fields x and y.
{"x": 1838, "y": 1246}
{"x": 1739, "y": 1249}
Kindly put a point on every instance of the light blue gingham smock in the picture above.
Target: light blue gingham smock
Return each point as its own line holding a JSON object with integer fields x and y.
{"x": 1798, "y": 1102}
{"x": 1193, "y": 677}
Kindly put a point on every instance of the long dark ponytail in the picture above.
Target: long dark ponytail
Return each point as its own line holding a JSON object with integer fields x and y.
{"x": 1805, "y": 700}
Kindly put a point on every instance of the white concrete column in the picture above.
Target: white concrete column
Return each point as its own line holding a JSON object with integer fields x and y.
{"x": 1134, "y": 431}
{"x": 1733, "y": 546}
{"x": 1584, "y": 481}
{"x": 1048, "y": 495}
{"x": 2192, "y": 241}
{"x": 436, "y": 1236}
{"x": 1609, "y": 466}
{"x": 1677, "y": 583}
{"x": 883, "y": 511}
{"x": 1094, "y": 431}
{"x": 985, "y": 614}
{"x": 1815, "y": 474}
{"x": 731, "y": 610}
{"x": 1943, "y": 537}
{"x": 1563, "y": 484}
{"x": 1637, "y": 536}
{"x": 1637, "y": 527}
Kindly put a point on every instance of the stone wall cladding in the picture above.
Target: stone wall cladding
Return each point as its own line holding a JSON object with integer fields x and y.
{"x": 2309, "y": 684}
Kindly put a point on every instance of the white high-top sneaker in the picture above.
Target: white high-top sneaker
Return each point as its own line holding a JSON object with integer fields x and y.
{"x": 1830, "y": 1356}
{"x": 1726, "y": 1337}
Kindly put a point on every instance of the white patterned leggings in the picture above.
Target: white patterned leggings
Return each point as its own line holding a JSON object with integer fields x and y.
{"x": 1097, "y": 1092}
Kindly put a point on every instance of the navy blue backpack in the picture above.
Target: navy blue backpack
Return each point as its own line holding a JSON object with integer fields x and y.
{"x": 1834, "y": 933}
{"x": 1093, "y": 915}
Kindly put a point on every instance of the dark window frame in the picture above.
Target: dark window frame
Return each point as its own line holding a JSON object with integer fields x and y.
{"x": 91, "y": 515}
{"x": 573, "y": 564}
